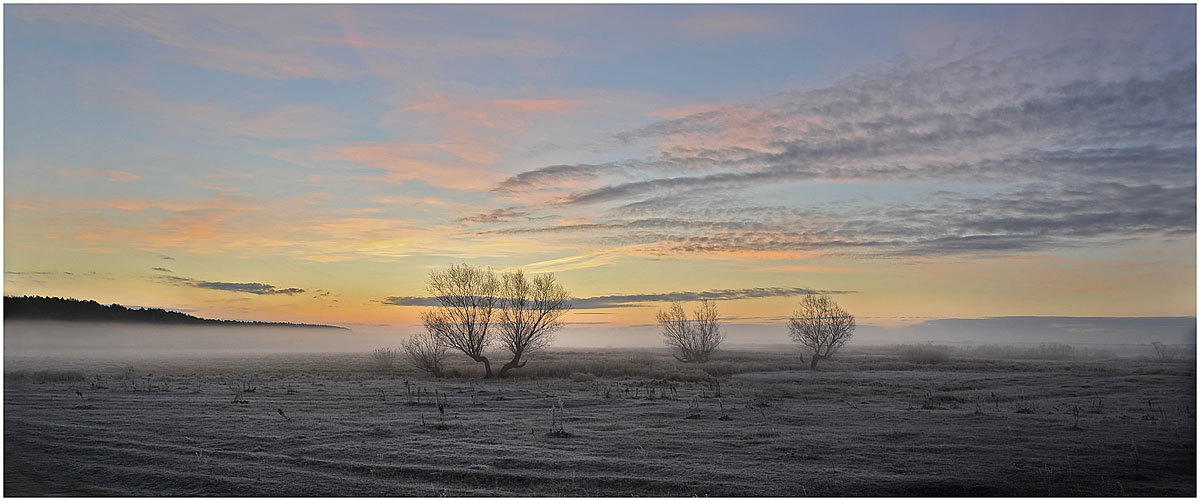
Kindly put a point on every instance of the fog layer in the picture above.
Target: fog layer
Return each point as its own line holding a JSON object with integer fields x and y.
{"x": 38, "y": 338}
{"x": 33, "y": 338}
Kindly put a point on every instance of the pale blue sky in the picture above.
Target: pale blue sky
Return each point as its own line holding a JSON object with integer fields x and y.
{"x": 936, "y": 160}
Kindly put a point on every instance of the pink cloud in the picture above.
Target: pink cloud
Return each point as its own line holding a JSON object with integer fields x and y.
{"x": 471, "y": 130}
{"x": 732, "y": 126}
{"x": 290, "y": 121}
{"x": 293, "y": 122}
{"x": 503, "y": 114}
{"x": 712, "y": 23}
{"x": 403, "y": 162}
{"x": 115, "y": 176}
{"x": 354, "y": 41}
{"x": 687, "y": 110}
{"x": 224, "y": 202}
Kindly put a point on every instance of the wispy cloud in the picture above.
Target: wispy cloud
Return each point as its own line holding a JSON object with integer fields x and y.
{"x": 495, "y": 216}
{"x": 255, "y": 288}
{"x": 39, "y": 273}
{"x": 115, "y": 176}
{"x": 1087, "y": 150}
{"x": 869, "y": 131}
{"x": 554, "y": 175}
{"x": 1034, "y": 218}
{"x": 293, "y": 121}
{"x": 717, "y": 22}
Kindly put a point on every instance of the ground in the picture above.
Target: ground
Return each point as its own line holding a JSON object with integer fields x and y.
{"x": 864, "y": 425}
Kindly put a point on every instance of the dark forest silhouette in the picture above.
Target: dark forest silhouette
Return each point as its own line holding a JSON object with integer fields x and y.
{"x": 56, "y": 308}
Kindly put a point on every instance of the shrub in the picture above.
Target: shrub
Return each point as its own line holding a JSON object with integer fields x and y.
{"x": 1166, "y": 352}
{"x": 426, "y": 352}
{"x": 384, "y": 358}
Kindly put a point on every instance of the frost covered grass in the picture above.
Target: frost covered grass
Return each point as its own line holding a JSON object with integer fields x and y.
{"x": 596, "y": 423}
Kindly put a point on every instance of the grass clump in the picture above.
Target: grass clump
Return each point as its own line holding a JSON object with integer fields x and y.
{"x": 557, "y": 418}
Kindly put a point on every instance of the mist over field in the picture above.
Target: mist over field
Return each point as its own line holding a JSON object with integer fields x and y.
{"x": 101, "y": 339}
{"x": 40, "y": 338}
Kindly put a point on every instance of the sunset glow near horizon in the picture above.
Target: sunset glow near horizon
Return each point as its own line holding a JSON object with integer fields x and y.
{"x": 314, "y": 163}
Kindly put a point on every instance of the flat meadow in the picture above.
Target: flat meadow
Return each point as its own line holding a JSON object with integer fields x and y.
{"x": 870, "y": 422}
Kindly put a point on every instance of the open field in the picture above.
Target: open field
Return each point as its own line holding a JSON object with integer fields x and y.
{"x": 630, "y": 423}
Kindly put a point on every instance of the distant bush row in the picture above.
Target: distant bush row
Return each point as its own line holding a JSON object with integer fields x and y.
{"x": 46, "y": 376}
{"x": 935, "y": 354}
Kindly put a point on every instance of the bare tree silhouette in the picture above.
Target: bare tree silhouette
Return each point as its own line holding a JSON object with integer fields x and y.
{"x": 467, "y": 304}
{"x": 531, "y": 310}
{"x": 695, "y": 339}
{"x": 821, "y": 325}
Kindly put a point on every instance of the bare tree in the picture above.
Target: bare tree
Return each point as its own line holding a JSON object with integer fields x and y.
{"x": 821, "y": 325}
{"x": 695, "y": 339}
{"x": 467, "y": 302}
{"x": 426, "y": 352}
{"x": 530, "y": 312}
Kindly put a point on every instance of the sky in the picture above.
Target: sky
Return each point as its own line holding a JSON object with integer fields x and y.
{"x": 314, "y": 163}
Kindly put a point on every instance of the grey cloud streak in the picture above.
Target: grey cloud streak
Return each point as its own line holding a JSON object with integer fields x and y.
{"x": 1068, "y": 146}
{"x": 884, "y": 126}
{"x": 1030, "y": 219}
{"x": 619, "y": 301}
{"x": 631, "y": 300}
{"x": 255, "y": 288}
{"x": 551, "y": 174}
{"x": 495, "y": 216}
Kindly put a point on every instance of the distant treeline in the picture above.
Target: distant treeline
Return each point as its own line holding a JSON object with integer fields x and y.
{"x": 57, "y": 308}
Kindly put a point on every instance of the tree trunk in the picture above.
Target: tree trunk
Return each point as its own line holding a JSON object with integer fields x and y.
{"x": 512, "y": 364}
{"x": 487, "y": 366}
{"x": 815, "y": 358}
